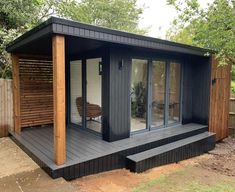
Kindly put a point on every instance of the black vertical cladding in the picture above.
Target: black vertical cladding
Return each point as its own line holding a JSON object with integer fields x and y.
{"x": 196, "y": 90}
{"x": 201, "y": 90}
{"x": 84, "y": 92}
{"x": 117, "y": 120}
{"x": 67, "y": 84}
{"x": 106, "y": 95}
{"x": 187, "y": 92}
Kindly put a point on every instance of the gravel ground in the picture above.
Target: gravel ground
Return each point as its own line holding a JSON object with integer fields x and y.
{"x": 13, "y": 159}
{"x": 223, "y": 158}
{"x": 19, "y": 173}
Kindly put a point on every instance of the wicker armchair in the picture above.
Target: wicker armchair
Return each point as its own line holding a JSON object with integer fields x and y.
{"x": 92, "y": 110}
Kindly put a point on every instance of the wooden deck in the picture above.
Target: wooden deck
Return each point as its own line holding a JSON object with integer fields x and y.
{"x": 88, "y": 153}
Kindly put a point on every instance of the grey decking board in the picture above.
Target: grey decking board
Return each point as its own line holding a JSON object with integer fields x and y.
{"x": 117, "y": 149}
{"x": 78, "y": 142}
{"x": 131, "y": 142}
{"x": 69, "y": 153}
{"x": 45, "y": 133}
{"x": 34, "y": 150}
{"x": 158, "y": 134}
{"x": 86, "y": 147}
{"x": 37, "y": 145}
{"x": 96, "y": 142}
{"x": 37, "y": 152}
{"x": 47, "y": 144}
{"x": 171, "y": 146}
{"x": 48, "y": 131}
{"x": 90, "y": 143}
{"x": 74, "y": 142}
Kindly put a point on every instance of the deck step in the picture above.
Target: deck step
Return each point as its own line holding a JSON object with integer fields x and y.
{"x": 172, "y": 152}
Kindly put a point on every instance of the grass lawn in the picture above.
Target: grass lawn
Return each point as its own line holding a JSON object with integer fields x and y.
{"x": 189, "y": 179}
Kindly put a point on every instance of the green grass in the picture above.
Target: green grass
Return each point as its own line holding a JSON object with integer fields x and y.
{"x": 221, "y": 187}
{"x": 187, "y": 180}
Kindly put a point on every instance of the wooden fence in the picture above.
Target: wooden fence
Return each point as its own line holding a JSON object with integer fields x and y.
{"x": 232, "y": 115}
{"x": 6, "y": 107}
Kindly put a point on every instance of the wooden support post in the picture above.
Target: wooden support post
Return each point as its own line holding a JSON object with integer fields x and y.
{"x": 58, "y": 47}
{"x": 16, "y": 92}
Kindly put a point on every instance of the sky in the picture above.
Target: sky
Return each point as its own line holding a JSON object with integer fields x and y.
{"x": 158, "y": 16}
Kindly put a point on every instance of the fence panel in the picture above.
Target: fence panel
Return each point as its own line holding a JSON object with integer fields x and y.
{"x": 232, "y": 115}
{"x": 6, "y": 107}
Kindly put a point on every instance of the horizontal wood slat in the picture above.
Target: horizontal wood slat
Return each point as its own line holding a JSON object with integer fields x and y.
{"x": 36, "y": 91}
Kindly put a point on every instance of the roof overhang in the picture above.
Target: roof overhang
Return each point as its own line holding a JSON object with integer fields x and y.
{"x": 75, "y": 29}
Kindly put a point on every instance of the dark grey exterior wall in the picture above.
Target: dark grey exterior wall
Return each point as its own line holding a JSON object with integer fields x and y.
{"x": 201, "y": 90}
{"x": 116, "y": 96}
{"x": 116, "y": 90}
{"x": 196, "y": 90}
{"x": 106, "y": 95}
{"x": 187, "y": 84}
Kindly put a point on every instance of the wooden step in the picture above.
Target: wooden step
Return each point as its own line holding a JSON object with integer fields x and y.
{"x": 172, "y": 152}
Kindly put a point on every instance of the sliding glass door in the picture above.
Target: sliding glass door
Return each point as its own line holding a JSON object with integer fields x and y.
{"x": 155, "y": 94}
{"x": 85, "y": 93}
{"x": 174, "y": 93}
{"x": 139, "y": 94}
{"x": 76, "y": 109}
{"x": 93, "y": 94}
{"x": 158, "y": 93}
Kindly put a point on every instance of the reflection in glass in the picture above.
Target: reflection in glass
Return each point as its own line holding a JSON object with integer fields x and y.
{"x": 158, "y": 93}
{"x": 76, "y": 91}
{"x": 138, "y": 94}
{"x": 93, "y": 105}
{"x": 174, "y": 93}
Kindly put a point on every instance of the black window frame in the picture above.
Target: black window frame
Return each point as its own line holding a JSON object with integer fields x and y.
{"x": 150, "y": 91}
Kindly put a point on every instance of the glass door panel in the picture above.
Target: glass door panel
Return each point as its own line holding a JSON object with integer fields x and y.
{"x": 94, "y": 88}
{"x": 76, "y": 111}
{"x": 174, "y": 93}
{"x": 138, "y": 94}
{"x": 158, "y": 93}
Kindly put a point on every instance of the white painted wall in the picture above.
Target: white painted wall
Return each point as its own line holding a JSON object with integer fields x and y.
{"x": 93, "y": 81}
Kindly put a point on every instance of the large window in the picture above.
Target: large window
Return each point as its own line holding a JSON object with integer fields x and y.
{"x": 92, "y": 115}
{"x": 93, "y": 86}
{"x": 155, "y": 99}
{"x": 158, "y": 93}
{"x": 138, "y": 94}
{"x": 174, "y": 93}
{"x": 76, "y": 91}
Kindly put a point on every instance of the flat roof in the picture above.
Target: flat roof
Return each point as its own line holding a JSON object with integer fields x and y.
{"x": 66, "y": 27}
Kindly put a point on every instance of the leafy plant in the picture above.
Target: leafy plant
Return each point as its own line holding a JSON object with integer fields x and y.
{"x": 212, "y": 27}
{"x": 233, "y": 86}
{"x": 116, "y": 14}
{"x": 139, "y": 100}
{"x": 19, "y": 16}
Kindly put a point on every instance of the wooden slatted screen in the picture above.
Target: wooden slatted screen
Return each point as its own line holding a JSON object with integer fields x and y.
{"x": 36, "y": 91}
{"x": 219, "y": 99}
